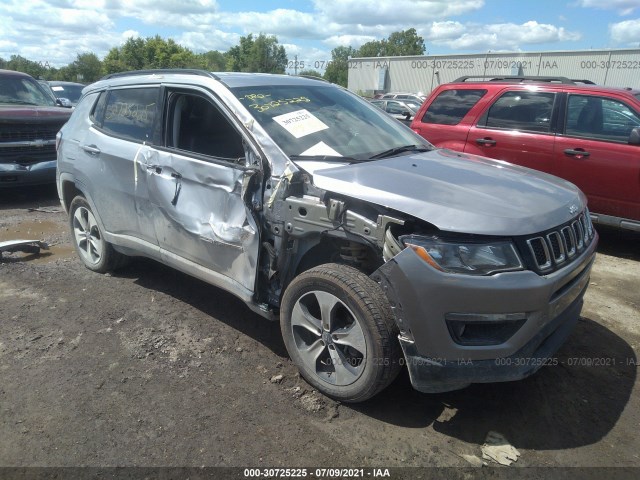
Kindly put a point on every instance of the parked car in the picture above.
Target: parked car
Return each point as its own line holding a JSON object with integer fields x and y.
{"x": 587, "y": 134}
{"x": 29, "y": 121}
{"x": 373, "y": 249}
{"x": 47, "y": 88}
{"x": 67, "y": 92}
{"x": 415, "y": 97}
{"x": 400, "y": 110}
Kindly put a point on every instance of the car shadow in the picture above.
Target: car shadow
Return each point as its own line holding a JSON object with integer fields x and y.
{"x": 212, "y": 301}
{"x": 619, "y": 243}
{"x": 39, "y": 196}
{"x": 574, "y": 403}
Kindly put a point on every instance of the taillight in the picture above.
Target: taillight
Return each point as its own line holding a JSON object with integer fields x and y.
{"x": 58, "y": 139}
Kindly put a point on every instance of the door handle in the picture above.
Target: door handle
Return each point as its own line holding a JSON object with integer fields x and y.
{"x": 92, "y": 149}
{"x": 485, "y": 141}
{"x": 176, "y": 194}
{"x": 578, "y": 153}
{"x": 155, "y": 168}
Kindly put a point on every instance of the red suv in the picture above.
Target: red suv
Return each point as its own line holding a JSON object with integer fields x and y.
{"x": 581, "y": 132}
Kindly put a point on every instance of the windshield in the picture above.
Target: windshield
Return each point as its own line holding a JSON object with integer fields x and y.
{"x": 23, "y": 91}
{"x": 70, "y": 92}
{"x": 322, "y": 120}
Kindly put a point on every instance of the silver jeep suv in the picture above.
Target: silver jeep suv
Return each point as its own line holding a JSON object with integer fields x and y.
{"x": 374, "y": 249}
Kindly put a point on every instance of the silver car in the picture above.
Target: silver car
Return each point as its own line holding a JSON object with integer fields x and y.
{"x": 374, "y": 250}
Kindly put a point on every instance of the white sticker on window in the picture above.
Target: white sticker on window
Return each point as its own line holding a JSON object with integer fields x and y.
{"x": 320, "y": 148}
{"x": 300, "y": 123}
{"x": 57, "y": 88}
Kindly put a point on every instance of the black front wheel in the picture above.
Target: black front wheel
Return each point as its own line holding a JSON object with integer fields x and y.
{"x": 339, "y": 330}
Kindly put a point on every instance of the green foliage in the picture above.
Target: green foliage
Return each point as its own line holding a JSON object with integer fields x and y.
{"x": 150, "y": 53}
{"x": 310, "y": 73}
{"x": 374, "y": 48}
{"x": 259, "y": 54}
{"x": 337, "y": 71}
{"x": 405, "y": 42}
{"x": 213, "y": 61}
{"x": 21, "y": 64}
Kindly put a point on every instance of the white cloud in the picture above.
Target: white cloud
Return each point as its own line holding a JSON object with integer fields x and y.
{"x": 348, "y": 40}
{"x": 208, "y": 40}
{"x": 624, "y": 7}
{"x": 496, "y": 36}
{"x": 626, "y": 33}
{"x": 393, "y": 11}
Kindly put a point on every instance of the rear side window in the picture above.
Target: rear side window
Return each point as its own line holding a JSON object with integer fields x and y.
{"x": 450, "y": 106}
{"x": 600, "y": 118}
{"x": 130, "y": 113}
{"x": 521, "y": 110}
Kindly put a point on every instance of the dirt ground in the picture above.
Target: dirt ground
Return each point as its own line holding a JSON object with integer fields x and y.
{"x": 150, "y": 367}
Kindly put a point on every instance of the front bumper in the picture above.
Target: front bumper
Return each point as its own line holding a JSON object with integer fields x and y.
{"x": 16, "y": 175}
{"x": 423, "y": 298}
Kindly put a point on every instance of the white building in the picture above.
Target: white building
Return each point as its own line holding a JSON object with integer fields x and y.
{"x": 619, "y": 68}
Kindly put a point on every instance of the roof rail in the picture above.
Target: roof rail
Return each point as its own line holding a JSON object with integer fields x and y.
{"x": 183, "y": 71}
{"x": 313, "y": 77}
{"x": 522, "y": 79}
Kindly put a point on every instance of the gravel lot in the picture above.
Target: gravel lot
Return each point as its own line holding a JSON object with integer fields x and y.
{"x": 150, "y": 367}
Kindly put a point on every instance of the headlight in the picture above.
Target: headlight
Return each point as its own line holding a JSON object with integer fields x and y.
{"x": 461, "y": 257}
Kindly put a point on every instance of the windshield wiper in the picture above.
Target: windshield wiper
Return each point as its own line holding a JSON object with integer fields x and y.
{"x": 406, "y": 148}
{"x": 327, "y": 158}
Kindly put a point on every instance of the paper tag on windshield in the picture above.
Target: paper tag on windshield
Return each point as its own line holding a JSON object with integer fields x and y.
{"x": 57, "y": 88}
{"x": 300, "y": 123}
{"x": 320, "y": 148}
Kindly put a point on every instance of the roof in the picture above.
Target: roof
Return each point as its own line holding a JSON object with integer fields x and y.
{"x": 571, "y": 85}
{"x": 230, "y": 79}
{"x": 13, "y": 73}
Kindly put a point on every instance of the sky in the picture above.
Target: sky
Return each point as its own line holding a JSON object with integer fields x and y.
{"x": 55, "y": 31}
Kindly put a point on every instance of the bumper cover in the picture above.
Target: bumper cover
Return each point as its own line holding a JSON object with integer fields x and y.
{"x": 16, "y": 175}
{"x": 422, "y": 298}
{"x": 435, "y": 375}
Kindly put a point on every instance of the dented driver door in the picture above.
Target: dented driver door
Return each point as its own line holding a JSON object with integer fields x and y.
{"x": 201, "y": 219}
{"x": 202, "y": 222}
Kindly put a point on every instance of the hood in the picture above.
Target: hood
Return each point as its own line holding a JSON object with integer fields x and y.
{"x": 457, "y": 192}
{"x": 32, "y": 114}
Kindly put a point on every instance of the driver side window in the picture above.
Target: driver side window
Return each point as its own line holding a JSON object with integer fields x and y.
{"x": 196, "y": 125}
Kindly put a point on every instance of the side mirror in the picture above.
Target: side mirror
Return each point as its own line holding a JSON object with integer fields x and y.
{"x": 64, "y": 102}
{"x": 634, "y": 136}
{"x": 406, "y": 113}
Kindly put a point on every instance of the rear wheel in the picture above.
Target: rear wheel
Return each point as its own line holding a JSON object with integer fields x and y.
{"x": 338, "y": 329}
{"x": 95, "y": 252}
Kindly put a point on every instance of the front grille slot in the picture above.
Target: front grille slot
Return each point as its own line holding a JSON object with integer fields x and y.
{"x": 569, "y": 240}
{"x": 540, "y": 252}
{"x": 552, "y": 249}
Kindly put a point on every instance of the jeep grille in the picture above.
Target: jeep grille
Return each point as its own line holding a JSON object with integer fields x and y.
{"x": 555, "y": 248}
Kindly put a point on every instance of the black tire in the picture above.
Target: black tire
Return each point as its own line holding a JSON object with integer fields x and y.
{"x": 95, "y": 252}
{"x": 349, "y": 297}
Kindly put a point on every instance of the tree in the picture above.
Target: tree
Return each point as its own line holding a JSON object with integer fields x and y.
{"x": 259, "y": 54}
{"x": 88, "y": 67}
{"x": 374, "y": 48}
{"x": 21, "y": 64}
{"x": 149, "y": 53}
{"x": 337, "y": 70}
{"x": 405, "y": 42}
{"x": 310, "y": 73}
{"x": 213, "y": 61}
